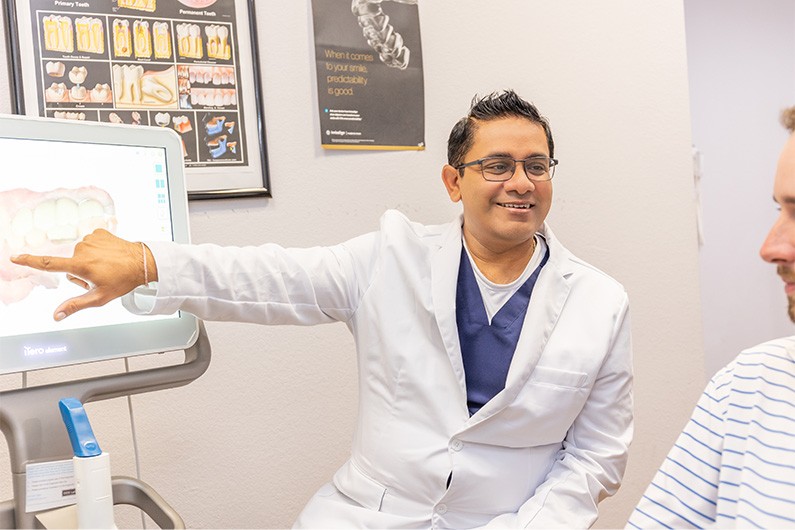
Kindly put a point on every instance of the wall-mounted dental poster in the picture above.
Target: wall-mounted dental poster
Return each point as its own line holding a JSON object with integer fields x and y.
{"x": 369, "y": 74}
{"x": 188, "y": 65}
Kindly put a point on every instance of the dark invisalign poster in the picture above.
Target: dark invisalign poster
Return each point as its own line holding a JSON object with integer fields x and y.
{"x": 369, "y": 74}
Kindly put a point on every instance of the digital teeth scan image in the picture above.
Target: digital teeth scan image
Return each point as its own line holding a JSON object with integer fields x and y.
{"x": 48, "y": 223}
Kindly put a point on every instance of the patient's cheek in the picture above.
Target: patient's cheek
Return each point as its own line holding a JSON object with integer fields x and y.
{"x": 46, "y": 223}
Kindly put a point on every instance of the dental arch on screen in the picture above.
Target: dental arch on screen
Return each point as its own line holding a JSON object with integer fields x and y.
{"x": 48, "y": 223}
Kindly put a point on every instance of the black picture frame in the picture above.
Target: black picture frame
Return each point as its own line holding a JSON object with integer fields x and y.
{"x": 210, "y": 71}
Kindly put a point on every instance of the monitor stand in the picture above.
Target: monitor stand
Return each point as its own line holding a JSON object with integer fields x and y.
{"x": 31, "y": 422}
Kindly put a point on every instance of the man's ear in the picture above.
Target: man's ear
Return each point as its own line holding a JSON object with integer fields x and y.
{"x": 451, "y": 177}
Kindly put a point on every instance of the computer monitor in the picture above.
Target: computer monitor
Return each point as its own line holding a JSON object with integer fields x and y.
{"x": 60, "y": 180}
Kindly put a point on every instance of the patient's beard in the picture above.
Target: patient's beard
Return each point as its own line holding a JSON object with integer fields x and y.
{"x": 788, "y": 275}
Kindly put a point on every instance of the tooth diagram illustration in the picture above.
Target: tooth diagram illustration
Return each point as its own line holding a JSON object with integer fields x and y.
{"x": 380, "y": 34}
{"x": 78, "y": 93}
{"x": 78, "y": 74}
{"x": 162, "y": 118}
{"x": 213, "y": 97}
{"x": 208, "y": 75}
{"x": 134, "y": 87}
{"x": 58, "y": 33}
{"x": 218, "y": 42}
{"x": 69, "y": 115}
{"x": 189, "y": 41}
{"x": 101, "y": 93}
{"x": 48, "y": 223}
{"x": 142, "y": 39}
{"x": 215, "y": 125}
{"x": 140, "y": 5}
{"x": 181, "y": 124}
{"x": 122, "y": 41}
{"x": 162, "y": 37}
{"x": 217, "y": 146}
{"x": 127, "y": 83}
{"x": 55, "y": 69}
{"x": 90, "y": 35}
{"x": 56, "y": 92}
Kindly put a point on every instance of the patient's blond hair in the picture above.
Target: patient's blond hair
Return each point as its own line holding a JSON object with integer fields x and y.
{"x": 788, "y": 119}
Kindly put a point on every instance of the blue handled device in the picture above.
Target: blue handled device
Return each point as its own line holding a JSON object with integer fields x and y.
{"x": 84, "y": 443}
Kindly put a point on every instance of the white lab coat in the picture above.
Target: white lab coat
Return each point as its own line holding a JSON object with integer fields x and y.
{"x": 542, "y": 453}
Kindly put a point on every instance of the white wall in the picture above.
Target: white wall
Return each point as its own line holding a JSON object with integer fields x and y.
{"x": 741, "y": 58}
{"x": 250, "y": 441}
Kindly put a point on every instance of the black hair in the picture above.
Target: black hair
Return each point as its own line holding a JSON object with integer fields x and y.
{"x": 495, "y": 105}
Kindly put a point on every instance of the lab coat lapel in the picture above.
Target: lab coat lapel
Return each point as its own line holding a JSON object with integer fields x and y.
{"x": 549, "y": 295}
{"x": 546, "y": 303}
{"x": 444, "y": 275}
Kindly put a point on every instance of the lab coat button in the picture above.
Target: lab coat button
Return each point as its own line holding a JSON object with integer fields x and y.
{"x": 456, "y": 445}
{"x": 441, "y": 509}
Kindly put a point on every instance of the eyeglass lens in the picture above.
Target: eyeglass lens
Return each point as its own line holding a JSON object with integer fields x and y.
{"x": 505, "y": 167}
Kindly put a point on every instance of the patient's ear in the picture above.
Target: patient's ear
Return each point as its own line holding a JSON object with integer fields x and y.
{"x": 451, "y": 177}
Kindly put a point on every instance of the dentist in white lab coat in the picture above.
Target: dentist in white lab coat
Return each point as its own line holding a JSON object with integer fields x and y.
{"x": 495, "y": 366}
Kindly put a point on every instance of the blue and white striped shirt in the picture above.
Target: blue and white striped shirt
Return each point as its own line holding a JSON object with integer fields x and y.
{"x": 734, "y": 463}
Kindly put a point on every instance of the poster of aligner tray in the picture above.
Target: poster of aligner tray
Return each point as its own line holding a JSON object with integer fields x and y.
{"x": 190, "y": 65}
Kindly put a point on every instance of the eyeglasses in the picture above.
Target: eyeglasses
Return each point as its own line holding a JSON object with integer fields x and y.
{"x": 502, "y": 168}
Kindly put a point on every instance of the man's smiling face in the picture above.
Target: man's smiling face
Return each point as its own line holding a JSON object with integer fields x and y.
{"x": 502, "y": 215}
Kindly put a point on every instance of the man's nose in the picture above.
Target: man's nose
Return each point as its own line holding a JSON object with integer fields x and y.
{"x": 779, "y": 245}
{"x": 520, "y": 180}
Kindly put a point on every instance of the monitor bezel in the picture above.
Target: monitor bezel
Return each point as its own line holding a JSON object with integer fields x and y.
{"x": 118, "y": 340}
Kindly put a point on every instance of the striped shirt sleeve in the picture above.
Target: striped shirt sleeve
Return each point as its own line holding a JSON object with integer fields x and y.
{"x": 684, "y": 491}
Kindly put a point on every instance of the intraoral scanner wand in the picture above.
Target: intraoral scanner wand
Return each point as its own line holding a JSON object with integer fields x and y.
{"x": 92, "y": 469}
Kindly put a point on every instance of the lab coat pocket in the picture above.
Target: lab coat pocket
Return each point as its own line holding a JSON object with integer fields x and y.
{"x": 357, "y": 485}
{"x": 543, "y": 375}
{"x": 552, "y": 398}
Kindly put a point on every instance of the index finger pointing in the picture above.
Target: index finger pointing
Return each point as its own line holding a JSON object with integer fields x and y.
{"x": 43, "y": 263}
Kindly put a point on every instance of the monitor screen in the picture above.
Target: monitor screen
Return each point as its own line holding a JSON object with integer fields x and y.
{"x": 61, "y": 180}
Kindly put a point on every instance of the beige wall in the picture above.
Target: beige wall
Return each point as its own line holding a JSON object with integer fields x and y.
{"x": 249, "y": 442}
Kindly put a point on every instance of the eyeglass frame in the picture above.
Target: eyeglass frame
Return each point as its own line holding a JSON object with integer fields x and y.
{"x": 553, "y": 162}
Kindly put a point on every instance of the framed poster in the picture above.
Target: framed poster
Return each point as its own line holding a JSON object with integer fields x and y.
{"x": 189, "y": 65}
{"x": 368, "y": 58}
